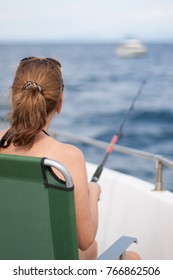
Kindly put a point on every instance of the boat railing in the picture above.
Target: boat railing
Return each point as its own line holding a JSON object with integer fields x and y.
{"x": 159, "y": 160}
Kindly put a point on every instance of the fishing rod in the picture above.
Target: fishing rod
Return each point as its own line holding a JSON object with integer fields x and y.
{"x": 115, "y": 137}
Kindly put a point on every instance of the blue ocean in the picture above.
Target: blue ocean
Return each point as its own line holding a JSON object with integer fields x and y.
{"x": 99, "y": 89}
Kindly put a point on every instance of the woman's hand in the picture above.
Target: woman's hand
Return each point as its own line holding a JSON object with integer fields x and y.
{"x": 94, "y": 190}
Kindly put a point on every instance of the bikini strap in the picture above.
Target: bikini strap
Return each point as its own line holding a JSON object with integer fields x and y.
{"x": 45, "y": 132}
{"x": 4, "y": 143}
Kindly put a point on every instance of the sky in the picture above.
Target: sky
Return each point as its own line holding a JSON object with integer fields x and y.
{"x": 85, "y": 20}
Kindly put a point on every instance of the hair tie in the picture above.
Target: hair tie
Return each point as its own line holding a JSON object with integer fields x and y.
{"x": 30, "y": 85}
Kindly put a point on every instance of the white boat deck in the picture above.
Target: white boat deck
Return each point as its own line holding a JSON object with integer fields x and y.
{"x": 129, "y": 206}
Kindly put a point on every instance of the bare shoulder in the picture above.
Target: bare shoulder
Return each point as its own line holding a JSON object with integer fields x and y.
{"x": 72, "y": 157}
{"x": 59, "y": 150}
{"x": 70, "y": 151}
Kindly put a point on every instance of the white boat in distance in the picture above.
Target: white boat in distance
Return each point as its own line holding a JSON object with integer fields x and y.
{"x": 131, "y": 48}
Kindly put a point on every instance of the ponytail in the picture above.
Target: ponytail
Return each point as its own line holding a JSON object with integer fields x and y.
{"x": 36, "y": 92}
{"x": 28, "y": 115}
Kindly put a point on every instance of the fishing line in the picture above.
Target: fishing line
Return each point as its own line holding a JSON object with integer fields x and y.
{"x": 115, "y": 137}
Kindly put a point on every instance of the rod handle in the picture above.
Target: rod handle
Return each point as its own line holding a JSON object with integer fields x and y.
{"x": 97, "y": 173}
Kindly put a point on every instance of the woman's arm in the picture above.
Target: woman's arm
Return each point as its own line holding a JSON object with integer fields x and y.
{"x": 86, "y": 196}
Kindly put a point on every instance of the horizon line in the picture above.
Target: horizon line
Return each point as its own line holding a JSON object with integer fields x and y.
{"x": 44, "y": 41}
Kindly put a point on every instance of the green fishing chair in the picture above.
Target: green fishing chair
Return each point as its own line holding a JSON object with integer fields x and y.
{"x": 37, "y": 213}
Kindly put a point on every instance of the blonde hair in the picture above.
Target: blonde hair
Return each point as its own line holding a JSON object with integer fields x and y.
{"x": 36, "y": 91}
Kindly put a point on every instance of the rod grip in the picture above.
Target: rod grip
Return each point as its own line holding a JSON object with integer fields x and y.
{"x": 97, "y": 173}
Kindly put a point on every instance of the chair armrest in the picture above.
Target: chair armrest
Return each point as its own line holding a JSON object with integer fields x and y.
{"x": 117, "y": 249}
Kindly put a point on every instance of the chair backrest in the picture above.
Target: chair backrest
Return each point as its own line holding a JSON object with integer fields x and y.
{"x": 37, "y": 213}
